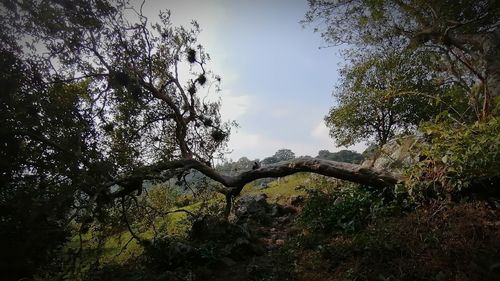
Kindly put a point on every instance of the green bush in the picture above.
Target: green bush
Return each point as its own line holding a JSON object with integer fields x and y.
{"x": 459, "y": 157}
{"x": 341, "y": 209}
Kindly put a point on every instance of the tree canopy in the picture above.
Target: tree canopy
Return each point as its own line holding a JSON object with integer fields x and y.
{"x": 465, "y": 34}
{"x": 98, "y": 104}
{"x": 389, "y": 93}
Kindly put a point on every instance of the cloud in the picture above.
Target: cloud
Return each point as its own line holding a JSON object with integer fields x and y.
{"x": 320, "y": 132}
{"x": 253, "y": 145}
{"x": 234, "y": 106}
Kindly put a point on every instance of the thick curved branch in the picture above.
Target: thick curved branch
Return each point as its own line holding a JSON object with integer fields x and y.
{"x": 234, "y": 184}
{"x": 340, "y": 170}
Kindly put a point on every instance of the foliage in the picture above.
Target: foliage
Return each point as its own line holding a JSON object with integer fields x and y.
{"x": 384, "y": 94}
{"x": 348, "y": 156}
{"x": 163, "y": 197}
{"x": 284, "y": 154}
{"x": 419, "y": 245}
{"x": 269, "y": 160}
{"x": 90, "y": 92}
{"x": 241, "y": 165}
{"x": 36, "y": 193}
{"x": 463, "y": 35}
{"x": 459, "y": 157}
{"x": 340, "y": 207}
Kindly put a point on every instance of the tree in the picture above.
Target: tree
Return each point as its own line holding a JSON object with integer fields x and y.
{"x": 382, "y": 95}
{"x": 142, "y": 123}
{"x": 347, "y": 156}
{"x": 44, "y": 138}
{"x": 269, "y": 160}
{"x": 104, "y": 112}
{"x": 465, "y": 34}
{"x": 284, "y": 154}
{"x": 242, "y": 164}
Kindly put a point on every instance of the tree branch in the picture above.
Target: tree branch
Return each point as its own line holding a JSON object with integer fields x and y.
{"x": 234, "y": 184}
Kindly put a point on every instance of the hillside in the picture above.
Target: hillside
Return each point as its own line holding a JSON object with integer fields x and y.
{"x": 309, "y": 228}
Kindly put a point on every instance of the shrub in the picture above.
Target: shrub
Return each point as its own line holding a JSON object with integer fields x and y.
{"x": 459, "y": 157}
{"x": 341, "y": 209}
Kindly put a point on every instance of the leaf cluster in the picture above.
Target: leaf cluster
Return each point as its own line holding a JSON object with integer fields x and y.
{"x": 459, "y": 158}
{"x": 341, "y": 207}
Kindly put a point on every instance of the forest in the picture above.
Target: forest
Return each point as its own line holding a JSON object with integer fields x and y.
{"x": 114, "y": 163}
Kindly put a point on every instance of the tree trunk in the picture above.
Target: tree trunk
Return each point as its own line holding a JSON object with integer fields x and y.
{"x": 234, "y": 184}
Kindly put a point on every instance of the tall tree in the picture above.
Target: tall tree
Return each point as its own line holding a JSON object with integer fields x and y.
{"x": 102, "y": 110}
{"x": 384, "y": 94}
{"x": 143, "y": 120}
{"x": 465, "y": 33}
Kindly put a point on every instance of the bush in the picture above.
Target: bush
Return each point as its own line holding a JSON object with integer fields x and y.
{"x": 32, "y": 230}
{"x": 460, "y": 157}
{"x": 341, "y": 209}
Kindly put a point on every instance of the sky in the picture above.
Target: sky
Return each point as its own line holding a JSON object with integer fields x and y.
{"x": 277, "y": 75}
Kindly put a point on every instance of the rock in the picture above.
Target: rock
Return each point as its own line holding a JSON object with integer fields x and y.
{"x": 296, "y": 200}
{"x": 294, "y": 230}
{"x": 261, "y": 231}
{"x": 282, "y": 220}
{"x": 242, "y": 248}
{"x": 211, "y": 228}
{"x": 288, "y": 210}
{"x": 262, "y": 186}
{"x": 267, "y": 241}
{"x": 251, "y": 205}
{"x": 396, "y": 154}
{"x": 338, "y": 201}
{"x": 202, "y": 272}
{"x": 169, "y": 253}
{"x": 256, "y": 208}
{"x": 275, "y": 210}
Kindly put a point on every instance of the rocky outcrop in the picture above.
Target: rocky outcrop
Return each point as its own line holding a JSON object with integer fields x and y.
{"x": 396, "y": 155}
{"x": 256, "y": 208}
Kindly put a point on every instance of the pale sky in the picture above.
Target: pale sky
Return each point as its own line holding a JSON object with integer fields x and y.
{"x": 276, "y": 80}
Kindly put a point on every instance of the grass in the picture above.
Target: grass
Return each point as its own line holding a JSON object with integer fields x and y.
{"x": 121, "y": 248}
{"x": 281, "y": 189}
{"x": 442, "y": 241}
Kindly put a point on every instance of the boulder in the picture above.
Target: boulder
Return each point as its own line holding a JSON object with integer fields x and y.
{"x": 252, "y": 206}
{"x": 275, "y": 210}
{"x": 168, "y": 254}
{"x": 296, "y": 200}
{"x": 210, "y": 228}
{"x": 396, "y": 154}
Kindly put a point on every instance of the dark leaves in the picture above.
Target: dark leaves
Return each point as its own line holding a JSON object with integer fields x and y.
{"x": 218, "y": 135}
{"x": 202, "y": 79}
{"x": 191, "y": 56}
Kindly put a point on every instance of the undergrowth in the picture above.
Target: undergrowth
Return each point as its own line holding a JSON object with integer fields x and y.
{"x": 337, "y": 206}
{"x": 458, "y": 158}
